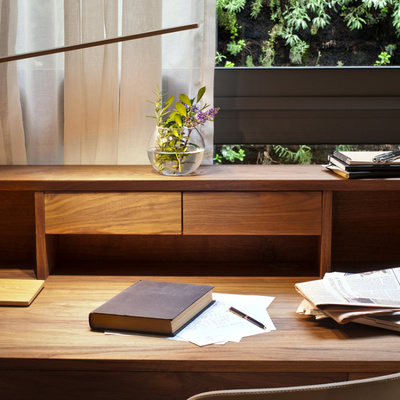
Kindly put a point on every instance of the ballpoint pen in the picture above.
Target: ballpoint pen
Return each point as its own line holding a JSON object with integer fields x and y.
{"x": 387, "y": 157}
{"x": 247, "y": 317}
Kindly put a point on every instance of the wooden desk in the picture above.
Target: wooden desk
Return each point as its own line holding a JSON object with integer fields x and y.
{"x": 47, "y": 349}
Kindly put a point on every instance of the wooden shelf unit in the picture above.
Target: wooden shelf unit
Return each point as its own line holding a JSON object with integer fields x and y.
{"x": 218, "y": 203}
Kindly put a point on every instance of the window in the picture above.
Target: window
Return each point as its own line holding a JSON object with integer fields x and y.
{"x": 305, "y": 103}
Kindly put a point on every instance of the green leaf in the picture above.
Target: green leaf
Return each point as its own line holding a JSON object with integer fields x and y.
{"x": 178, "y": 120}
{"x": 169, "y": 101}
{"x": 185, "y": 99}
{"x": 200, "y": 93}
{"x": 171, "y": 118}
{"x": 181, "y": 109}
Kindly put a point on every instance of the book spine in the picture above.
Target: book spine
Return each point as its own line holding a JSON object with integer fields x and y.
{"x": 341, "y": 156}
{"x": 338, "y": 171}
{"x": 363, "y": 174}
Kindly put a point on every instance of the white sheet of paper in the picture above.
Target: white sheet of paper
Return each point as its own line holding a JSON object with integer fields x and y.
{"x": 218, "y": 324}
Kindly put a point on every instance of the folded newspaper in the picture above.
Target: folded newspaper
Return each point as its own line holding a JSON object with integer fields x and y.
{"x": 345, "y": 297}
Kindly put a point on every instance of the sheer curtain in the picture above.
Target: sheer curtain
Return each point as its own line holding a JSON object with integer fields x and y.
{"x": 40, "y": 26}
{"x": 91, "y": 84}
{"x": 140, "y": 75}
{"x": 91, "y": 106}
{"x": 189, "y": 57}
{"x": 12, "y": 141}
{"x": 108, "y": 125}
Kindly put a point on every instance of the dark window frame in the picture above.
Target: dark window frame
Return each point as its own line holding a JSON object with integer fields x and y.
{"x": 307, "y": 105}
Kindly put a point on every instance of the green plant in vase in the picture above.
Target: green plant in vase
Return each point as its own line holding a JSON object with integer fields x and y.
{"x": 177, "y": 147}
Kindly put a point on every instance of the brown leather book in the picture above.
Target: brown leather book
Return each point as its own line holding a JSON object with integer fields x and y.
{"x": 152, "y": 307}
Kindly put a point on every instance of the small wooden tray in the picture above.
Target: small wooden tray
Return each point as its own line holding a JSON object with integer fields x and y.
{"x": 19, "y": 292}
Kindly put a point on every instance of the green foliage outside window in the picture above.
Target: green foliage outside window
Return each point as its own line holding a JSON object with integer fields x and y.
{"x": 294, "y": 21}
{"x": 304, "y": 33}
{"x": 302, "y": 155}
{"x": 230, "y": 153}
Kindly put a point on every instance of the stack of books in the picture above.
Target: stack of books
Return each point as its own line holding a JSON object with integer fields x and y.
{"x": 369, "y": 298}
{"x": 364, "y": 164}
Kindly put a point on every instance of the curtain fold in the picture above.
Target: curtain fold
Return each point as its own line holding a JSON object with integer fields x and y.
{"x": 40, "y": 26}
{"x": 91, "y": 84}
{"x": 189, "y": 57}
{"x": 12, "y": 140}
{"x": 140, "y": 75}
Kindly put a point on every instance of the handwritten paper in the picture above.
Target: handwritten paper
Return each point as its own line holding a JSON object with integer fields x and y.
{"x": 217, "y": 325}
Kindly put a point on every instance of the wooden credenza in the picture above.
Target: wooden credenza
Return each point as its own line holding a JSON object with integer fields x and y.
{"x": 224, "y": 220}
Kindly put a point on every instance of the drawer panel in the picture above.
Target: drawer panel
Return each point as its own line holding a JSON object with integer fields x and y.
{"x": 252, "y": 213}
{"x": 113, "y": 213}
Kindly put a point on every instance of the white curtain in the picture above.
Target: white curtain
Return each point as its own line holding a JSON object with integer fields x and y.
{"x": 140, "y": 75}
{"x": 40, "y": 26}
{"x": 189, "y": 57}
{"x": 12, "y": 141}
{"x": 105, "y": 125}
{"x": 91, "y": 84}
{"x": 94, "y": 111}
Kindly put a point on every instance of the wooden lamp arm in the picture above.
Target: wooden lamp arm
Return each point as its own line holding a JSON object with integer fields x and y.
{"x": 103, "y": 42}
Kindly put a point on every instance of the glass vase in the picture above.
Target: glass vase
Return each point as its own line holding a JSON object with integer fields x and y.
{"x": 174, "y": 152}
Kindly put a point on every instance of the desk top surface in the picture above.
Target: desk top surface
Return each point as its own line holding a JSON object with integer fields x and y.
{"x": 221, "y": 177}
{"x": 54, "y": 330}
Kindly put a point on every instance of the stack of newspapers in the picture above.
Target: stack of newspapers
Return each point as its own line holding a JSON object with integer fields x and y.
{"x": 370, "y": 298}
{"x": 365, "y": 164}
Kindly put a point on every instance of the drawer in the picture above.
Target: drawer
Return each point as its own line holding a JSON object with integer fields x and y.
{"x": 252, "y": 213}
{"x": 113, "y": 213}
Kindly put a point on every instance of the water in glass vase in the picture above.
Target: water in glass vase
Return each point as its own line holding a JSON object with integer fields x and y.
{"x": 176, "y": 163}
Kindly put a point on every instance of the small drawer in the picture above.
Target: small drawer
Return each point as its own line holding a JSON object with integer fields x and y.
{"x": 252, "y": 213}
{"x": 113, "y": 213}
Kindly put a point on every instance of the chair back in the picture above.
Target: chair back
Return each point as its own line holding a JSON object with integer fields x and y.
{"x": 378, "y": 388}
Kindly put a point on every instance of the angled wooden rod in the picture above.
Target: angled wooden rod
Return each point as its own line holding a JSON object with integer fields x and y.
{"x": 103, "y": 42}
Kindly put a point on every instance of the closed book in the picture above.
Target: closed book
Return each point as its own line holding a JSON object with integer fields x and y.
{"x": 360, "y": 157}
{"x": 363, "y": 174}
{"x": 152, "y": 307}
{"x": 363, "y": 167}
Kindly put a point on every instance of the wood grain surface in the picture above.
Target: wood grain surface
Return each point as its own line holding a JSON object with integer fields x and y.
{"x": 218, "y": 178}
{"x": 113, "y": 213}
{"x": 49, "y": 344}
{"x": 252, "y": 213}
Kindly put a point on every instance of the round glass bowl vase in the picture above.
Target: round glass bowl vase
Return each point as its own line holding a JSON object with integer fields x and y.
{"x": 176, "y": 153}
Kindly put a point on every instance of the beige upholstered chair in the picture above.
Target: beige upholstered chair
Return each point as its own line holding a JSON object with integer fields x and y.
{"x": 381, "y": 388}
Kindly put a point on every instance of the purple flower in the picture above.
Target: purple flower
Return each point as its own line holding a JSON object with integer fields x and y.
{"x": 201, "y": 117}
{"x": 196, "y": 116}
{"x": 212, "y": 112}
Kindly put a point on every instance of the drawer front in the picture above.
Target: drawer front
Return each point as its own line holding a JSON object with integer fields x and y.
{"x": 252, "y": 213}
{"x": 113, "y": 213}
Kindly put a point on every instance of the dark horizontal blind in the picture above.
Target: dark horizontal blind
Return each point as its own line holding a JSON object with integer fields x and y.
{"x": 322, "y": 105}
